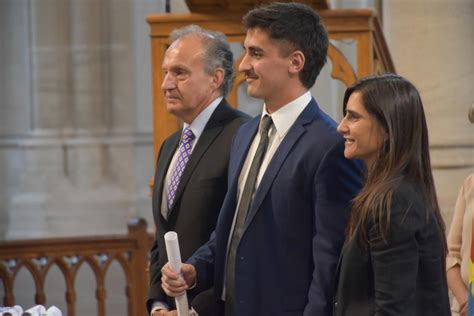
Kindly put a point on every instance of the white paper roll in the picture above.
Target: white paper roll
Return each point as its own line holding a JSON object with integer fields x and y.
{"x": 174, "y": 258}
{"x": 37, "y": 310}
{"x": 53, "y": 311}
{"x": 16, "y": 310}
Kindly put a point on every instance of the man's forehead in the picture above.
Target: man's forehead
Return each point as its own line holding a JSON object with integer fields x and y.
{"x": 257, "y": 31}
{"x": 184, "y": 49}
{"x": 259, "y": 38}
{"x": 187, "y": 40}
{"x": 256, "y": 38}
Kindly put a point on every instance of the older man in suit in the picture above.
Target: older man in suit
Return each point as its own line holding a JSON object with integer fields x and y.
{"x": 281, "y": 227}
{"x": 191, "y": 172}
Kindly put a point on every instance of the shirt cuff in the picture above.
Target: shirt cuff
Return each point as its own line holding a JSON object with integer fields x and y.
{"x": 160, "y": 305}
{"x": 192, "y": 286}
{"x": 157, "y": 305}
{"x": 451, "y": 262}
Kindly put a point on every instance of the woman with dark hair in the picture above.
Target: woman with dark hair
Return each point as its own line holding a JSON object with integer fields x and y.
{"x": 393, "y": 261}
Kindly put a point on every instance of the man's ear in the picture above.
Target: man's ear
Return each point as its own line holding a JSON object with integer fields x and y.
{"x": 297, "y": 61}
{"x": 218, "y": 78}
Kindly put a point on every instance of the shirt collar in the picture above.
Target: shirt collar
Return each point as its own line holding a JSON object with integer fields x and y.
{"x": 199, "y": 123}
{"x": 286, "y": 116}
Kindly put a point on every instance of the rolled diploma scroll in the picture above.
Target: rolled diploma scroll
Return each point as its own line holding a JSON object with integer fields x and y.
{"x": 37, "y": 310}
{"x": 16, "y": 310}
{"x": 174, "y": 258}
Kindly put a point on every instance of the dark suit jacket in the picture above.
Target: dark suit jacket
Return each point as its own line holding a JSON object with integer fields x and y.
{"x": 199, "y": 196}
{"x": 402, "y": 276}
{"x": 294, "y": 231}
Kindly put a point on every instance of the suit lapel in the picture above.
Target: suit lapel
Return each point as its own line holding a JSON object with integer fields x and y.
{"x": 242, "y": 147}
{"x": 162, "y": 168}
{"x": 296, "y": 132}
{"x": 213, "y": 128}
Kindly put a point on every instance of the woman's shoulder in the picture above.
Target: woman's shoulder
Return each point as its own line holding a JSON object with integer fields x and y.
{"x": 409, "y": 201}
{"x": 409, "y": 190}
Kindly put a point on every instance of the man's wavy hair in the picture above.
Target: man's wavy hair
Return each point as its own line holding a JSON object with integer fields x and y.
{"x": 295, "y": 26}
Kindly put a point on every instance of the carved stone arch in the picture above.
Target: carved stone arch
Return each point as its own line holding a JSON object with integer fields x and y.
{"x": 69, "y": 277}
{"x": 38, "y": 279}
{"x": 123, "y": 262}
{"x": 69, "y": 254}
{"x": 95, "y": 267}
{"x": 63, "y": 267}
{"x": 100, "y": 292}
{"x": 7, "y": 281}
{"x": 127, "y": 271}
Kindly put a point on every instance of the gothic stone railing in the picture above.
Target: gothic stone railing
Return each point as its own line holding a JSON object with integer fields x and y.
{"x": 69, "y": 254}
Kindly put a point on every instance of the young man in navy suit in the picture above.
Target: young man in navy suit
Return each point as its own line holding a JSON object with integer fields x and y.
{"x": 281, "y": 226}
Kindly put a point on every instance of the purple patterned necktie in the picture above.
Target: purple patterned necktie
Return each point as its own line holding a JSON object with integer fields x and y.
{"x": 184, "y": 152}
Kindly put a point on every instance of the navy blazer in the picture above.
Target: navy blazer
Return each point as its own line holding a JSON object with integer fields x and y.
{"x": 294, "y": 231}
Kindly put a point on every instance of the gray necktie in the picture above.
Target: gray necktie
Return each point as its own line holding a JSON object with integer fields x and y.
{"x": 244, "y": 206}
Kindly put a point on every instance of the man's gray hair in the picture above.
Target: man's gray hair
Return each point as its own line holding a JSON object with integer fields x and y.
{"x": 217, "y": 52}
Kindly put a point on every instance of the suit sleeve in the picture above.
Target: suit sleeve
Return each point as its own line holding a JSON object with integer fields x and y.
{"x": 155, "y": 292}
{"x": 204, "y": 258}
{"x": 203, "y": 262}
{"x": 337, "y": 181}
{"x": 395, "y": 263}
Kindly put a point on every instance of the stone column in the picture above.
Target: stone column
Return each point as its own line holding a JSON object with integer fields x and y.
{"x": 15, "y": 98}
{"x": 432, "y": 44}
{"x": 75, "y": 128}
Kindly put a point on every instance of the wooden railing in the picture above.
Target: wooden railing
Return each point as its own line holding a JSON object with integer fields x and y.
{"x": 69, "y": 254}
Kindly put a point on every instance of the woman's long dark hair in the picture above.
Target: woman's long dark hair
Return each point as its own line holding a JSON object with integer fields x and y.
{"x": 396, "y": 105}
